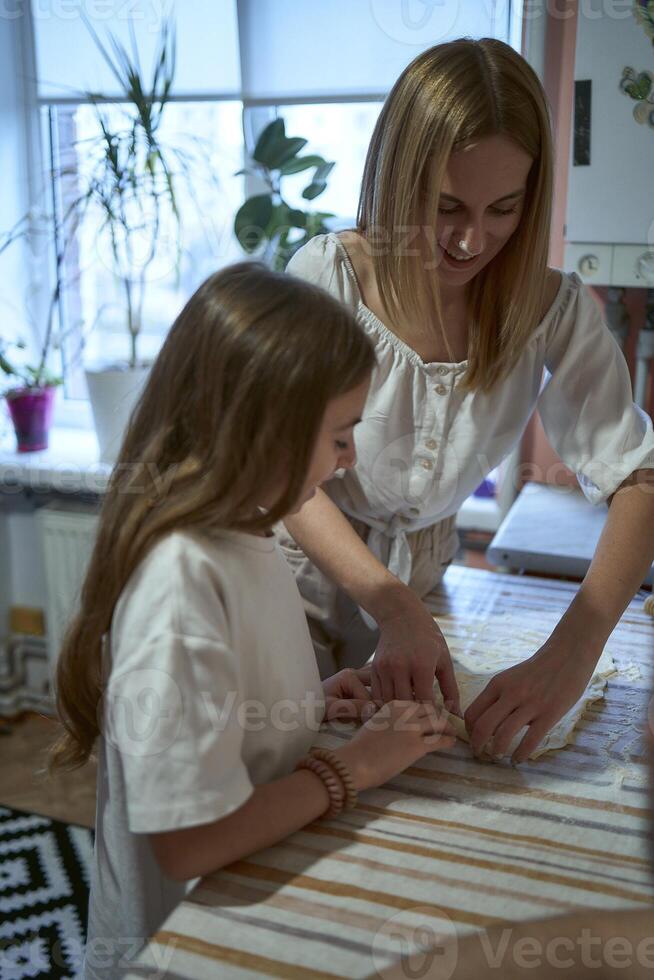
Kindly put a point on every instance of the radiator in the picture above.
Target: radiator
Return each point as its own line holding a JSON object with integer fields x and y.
{"x": 67, "y": 532}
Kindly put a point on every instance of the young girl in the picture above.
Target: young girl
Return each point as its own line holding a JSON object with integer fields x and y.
{"x": 190, "y": 662}
{"x": 447, "y": 273}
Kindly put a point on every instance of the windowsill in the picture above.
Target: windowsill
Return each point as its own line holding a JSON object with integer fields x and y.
{"x": 70, "y": 464}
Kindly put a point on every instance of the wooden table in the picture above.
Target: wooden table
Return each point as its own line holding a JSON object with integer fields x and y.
{"x": 450, "y": 845}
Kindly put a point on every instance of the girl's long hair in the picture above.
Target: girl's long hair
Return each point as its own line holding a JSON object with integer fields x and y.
{"x": 231, "y": 409}
{"x": 449, "y": 97}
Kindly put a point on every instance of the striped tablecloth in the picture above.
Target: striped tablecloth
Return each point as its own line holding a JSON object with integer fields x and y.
{"x": 450, "y": 845}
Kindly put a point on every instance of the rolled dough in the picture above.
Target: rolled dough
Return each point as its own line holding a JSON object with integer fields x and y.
{"x": 479, "y": 652}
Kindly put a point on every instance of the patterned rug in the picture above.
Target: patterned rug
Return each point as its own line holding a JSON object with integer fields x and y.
{"x": 44, "y": 888}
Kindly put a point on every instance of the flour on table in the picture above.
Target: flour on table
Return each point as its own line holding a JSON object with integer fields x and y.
{"x": 482, "y": 650}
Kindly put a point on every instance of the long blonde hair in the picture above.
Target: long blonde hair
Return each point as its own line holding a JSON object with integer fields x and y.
{"x": 233, "y": 404}
{"x": 448, "y": 97}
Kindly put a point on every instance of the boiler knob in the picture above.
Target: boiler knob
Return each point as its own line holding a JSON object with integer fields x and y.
{"x": 588, "y": 265}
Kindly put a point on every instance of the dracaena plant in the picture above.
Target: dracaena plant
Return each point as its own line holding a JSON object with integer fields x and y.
{"x": 128, "y": 182}
{"x": 266, "y": 222}
{"x": 131, "y": 180}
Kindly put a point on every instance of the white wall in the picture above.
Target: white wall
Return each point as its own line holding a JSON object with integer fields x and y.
{"x": 611, "y": 199}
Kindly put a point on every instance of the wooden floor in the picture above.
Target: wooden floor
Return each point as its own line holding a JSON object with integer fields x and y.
{"x": 23, "y": 784}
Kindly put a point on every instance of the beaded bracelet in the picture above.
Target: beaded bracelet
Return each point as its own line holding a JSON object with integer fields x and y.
{"x": 330, "y": 781}
{"x": 326, "y": 755}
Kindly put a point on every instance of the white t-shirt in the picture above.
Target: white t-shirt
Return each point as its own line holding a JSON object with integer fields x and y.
{"x": 212, "y": 689}
{"x": 424, "y": 445}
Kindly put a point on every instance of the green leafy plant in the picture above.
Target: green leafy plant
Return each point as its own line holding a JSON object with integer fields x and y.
{"x": 133, "y": 174}
{"x": 24, "y": 375}
{"x": 38, "y": 376}
{"x": 640, "y": 86}
{"x": 266, "y": 221}
{"x": 129, "y": 183}
{"x": 643, "y": 11}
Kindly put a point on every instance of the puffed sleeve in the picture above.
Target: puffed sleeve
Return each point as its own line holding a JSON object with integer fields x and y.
{"x": 586, "y": 404}
{"x": 323, "y": 261}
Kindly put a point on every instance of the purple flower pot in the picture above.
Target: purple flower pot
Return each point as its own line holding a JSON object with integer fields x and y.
{"x": 31, "y": 412}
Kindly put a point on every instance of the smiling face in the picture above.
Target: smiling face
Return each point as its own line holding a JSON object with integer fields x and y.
{"x": 481, "y": 202}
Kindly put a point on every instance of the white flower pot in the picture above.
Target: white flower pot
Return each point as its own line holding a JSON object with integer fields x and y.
{"x": 114, "y": 392}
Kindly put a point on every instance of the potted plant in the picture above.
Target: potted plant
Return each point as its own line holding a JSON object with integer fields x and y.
{"x": 266, "y": 223}
{"x": 131, "y": 186}
{"x": 30, "y": 390}
{"x": 30, "y": 397}
{"x": 129, "y": 189}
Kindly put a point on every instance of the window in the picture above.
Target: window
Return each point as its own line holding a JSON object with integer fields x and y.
{"x": 339, "y": 132}
{"x": 239, "y": 61}
{"x": 93, "y": 307}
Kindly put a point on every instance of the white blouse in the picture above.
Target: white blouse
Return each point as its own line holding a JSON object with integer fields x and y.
{"x": 424, "y": 445}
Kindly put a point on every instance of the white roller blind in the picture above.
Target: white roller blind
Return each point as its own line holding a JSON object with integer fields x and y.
{"x": 317, "y": 48}
{"x": 68, "y": 61}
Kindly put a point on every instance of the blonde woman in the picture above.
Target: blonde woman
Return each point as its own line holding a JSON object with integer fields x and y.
{"x": 189, "y": 665}
{"x": 447, "y": 272}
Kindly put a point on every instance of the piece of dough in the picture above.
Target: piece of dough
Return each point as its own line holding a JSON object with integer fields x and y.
{"x": 480, "y": 652}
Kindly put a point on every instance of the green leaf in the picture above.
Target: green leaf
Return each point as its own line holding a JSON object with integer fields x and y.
{"x": 283, "y": 219}
{"x": 297, "y": 164}
{"x": 5, "y": 366}
{"x": 297, "y": 218}
{"x": 273, "y": 132}
{"x": 252, "y": 220}
{"x": 285, "y": 150}
{"x": 319, "y": 182}
{"x": 274, "y": 148}
{"x": 314, "y": 189}
{"x": 279, "y": 219}
{"x": 323, "y": 172}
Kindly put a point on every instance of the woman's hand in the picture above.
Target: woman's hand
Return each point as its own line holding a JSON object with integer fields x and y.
{"x": 347, "y": 695}
{"x": 397, "y": 735}
{"x": 410, "y": 653}
{"x": 536, "y": 693}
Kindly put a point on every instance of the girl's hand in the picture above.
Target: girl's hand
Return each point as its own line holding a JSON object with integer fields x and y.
{"x": 410, "y": 653}
{"x": 536, "y": 693}
{"x": 396, "y": 736}
{"x": 347, "y": 697}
